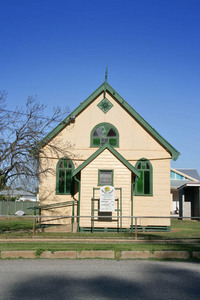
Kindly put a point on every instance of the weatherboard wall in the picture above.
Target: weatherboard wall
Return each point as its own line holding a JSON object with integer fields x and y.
{"x": 135, "y": 142}
{"x": 89, "y": 180}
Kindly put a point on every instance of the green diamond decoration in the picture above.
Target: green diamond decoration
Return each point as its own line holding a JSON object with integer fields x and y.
{"x": 105, "y": 105}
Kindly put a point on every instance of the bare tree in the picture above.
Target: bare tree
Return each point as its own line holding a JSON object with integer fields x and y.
{"x": 21, "y": 132}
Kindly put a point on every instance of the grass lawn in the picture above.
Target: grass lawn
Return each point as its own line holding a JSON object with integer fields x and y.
{"x": 57, "y": 246}
{"x": 22, "y": 227}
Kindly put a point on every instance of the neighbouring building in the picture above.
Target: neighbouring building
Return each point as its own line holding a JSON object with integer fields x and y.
{"x": 185, "y": 188}
{"x": 19, "y": 195}
{"x": 180, "y": 178}
{"x": 115, "y": 154}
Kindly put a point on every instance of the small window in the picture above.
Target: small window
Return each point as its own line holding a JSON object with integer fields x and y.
{"x": 179, "y": 177}
{"x": 105, "y": 177}
{"x": 144, "y": 183}
{"x": 172, "y": 175}
{"x": 104, "y": 133}
{"x": 64, "y": 176}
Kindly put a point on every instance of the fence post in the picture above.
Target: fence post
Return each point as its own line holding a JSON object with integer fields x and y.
{"x": 33, "y": 226}
{"x": 135, "y": 228}
{"x": 72, "y": 221}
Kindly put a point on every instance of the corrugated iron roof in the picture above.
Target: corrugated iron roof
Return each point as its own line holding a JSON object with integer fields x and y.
{"x": 190, "y": 172}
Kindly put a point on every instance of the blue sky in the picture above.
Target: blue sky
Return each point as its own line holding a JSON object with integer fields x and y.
{"x": 59, "y": 50}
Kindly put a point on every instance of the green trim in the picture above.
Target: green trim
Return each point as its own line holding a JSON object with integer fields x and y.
{"x": 79, "y": 198}
{"x": 139, "y": 229}
{"x": 102, "y": 89}
{"x": 114, "y": 152}
{"x": 57, "y": 176}
{"x": 137, "y": 192}
{"x": 107, "y": 170}
{"x": 105, "y": 105}
{"x": 132, "y": 204}
{"x": 106, "y": 125}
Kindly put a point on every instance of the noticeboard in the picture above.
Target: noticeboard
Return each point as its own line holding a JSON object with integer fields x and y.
{"x": 107, "y": 198}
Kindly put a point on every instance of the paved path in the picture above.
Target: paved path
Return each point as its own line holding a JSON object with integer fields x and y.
{"x": 98, "y": 279}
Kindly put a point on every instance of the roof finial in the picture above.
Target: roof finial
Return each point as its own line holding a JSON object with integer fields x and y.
{"x": 105, "y": 83}
{"x": 106, "y": 75}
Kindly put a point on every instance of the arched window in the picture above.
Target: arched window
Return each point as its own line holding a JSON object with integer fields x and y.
{"x": 64, "y": 172}
{"x": 144, "y": 184}
{"x": 104, "y": 133}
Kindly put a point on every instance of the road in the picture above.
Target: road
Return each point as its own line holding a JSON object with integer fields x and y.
{"x": 98, "y": 279}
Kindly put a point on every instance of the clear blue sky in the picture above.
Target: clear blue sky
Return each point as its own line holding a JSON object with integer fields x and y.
{"x": 59, "y": 50}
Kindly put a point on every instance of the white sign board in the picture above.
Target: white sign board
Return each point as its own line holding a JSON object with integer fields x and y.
{"x": 107, "y": 198}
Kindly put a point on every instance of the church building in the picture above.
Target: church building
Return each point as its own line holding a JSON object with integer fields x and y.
{"x": 111, "y": 166}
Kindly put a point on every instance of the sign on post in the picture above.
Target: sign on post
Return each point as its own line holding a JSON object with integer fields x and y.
{"x": 107, "y": 198}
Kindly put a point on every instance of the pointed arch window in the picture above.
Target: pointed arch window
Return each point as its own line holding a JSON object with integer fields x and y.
{"x": 64, "y": 171}
{"x": 144, "y": 184}
{"x": 104, "y": 133}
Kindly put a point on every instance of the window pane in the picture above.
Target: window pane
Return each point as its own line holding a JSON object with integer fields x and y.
{"x": 61, "y": 164}
{"x": 111, "y": 132}
{"x": 65, "y": 163}
{"x": 103, "y": 130}
{"x": 146, "y": 182}
{"x": 178, "y": 176}
{"x": 61, "y": 181}
{"x": 103, "y": 141}
{"x": 98, "y": 132}
{"x": 95, "y": 133}
{"x": 105, "y": 177}
{"x": 139, "y": 166}
{"x": 113, "y": 142}
{"x": 68, "y": 181}
{"x": 96, "y": 142}
{"x": 172, "y": 175}
{"x": 140, "y": 183}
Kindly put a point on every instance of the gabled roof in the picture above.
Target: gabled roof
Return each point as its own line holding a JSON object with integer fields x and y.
{"x": 114, "y": 152}
{"x": 176, "y": 183}
{"x": 190, "y": 172}
{"x": 105, "y": 87}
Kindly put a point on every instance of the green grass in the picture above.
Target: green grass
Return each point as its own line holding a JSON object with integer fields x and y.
{"x": 17, "y": 228}
{"x": 179, "y": 229}
{"x": 56, "y": 246}
{"x": 23, "y": 227}
{"x": 15, "y": 224}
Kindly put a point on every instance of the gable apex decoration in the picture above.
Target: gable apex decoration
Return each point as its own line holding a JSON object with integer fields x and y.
{"x": 105, "y": 105}
{"x": 114, "y": 152}
{"x": 103, "y": 88}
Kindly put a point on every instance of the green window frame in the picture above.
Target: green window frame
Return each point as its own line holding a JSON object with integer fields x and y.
{"x": 144, "y": 184}
{"x": 107, "y": 179}
{"x": 64, "y": 180}
{"x": 104, "y": 133}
